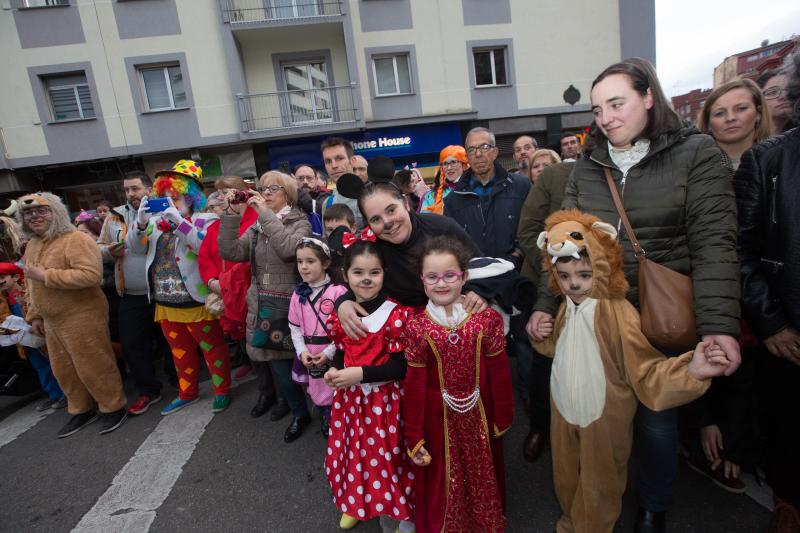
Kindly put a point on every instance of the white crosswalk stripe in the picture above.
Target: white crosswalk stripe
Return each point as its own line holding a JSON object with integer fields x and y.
{"x": 18, "y": 423}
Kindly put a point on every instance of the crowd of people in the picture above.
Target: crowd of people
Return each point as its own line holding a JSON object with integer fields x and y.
{"x": 390, "y": 307}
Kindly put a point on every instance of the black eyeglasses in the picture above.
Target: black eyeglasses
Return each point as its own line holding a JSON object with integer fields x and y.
{"x": 485, "y": 147}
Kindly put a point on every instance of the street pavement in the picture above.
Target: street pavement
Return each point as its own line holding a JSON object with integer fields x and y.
{"x": 194, "y": 471}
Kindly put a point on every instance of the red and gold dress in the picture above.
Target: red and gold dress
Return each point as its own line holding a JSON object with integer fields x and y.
{"x": 367, "y": 468}
{"x": 458, "y": 402}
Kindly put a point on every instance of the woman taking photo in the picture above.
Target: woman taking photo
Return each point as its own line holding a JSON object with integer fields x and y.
{"x": 269, "y": 245}
{"x": 681, "y": 205}
{"x": 737, "y": 116}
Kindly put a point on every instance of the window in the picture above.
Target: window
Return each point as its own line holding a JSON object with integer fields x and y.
{"x": 285, "y": 9}
{"x": 490, "y": 67}
{"x": 392, "y": 75}
{"x": 163, "y": 87}
{"x": 69, "y": 95}
{"x": 307, "y": 92}
{"x": 44, "y": 3}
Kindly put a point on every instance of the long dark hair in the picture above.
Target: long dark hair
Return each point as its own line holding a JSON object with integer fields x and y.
{"x": 661, "y": 118}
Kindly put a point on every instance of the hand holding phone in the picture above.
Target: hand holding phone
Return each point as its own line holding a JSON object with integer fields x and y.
{"x": 157, "y": 205}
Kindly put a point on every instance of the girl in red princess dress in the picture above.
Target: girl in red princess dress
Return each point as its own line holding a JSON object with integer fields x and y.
{"x": 458, "y": 401}
{"x": 368, "y": 471}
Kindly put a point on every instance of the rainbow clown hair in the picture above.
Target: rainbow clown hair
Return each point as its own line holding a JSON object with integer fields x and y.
{"x": 172, "y": 184}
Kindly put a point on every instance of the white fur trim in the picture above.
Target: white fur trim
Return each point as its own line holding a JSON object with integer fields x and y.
{"x": 488, "y": 267}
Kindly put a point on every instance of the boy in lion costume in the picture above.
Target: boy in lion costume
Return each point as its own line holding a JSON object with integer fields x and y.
{"x": 602, "y": 365}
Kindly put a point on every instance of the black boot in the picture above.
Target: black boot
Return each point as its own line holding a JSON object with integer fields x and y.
{"x": 280, "y": 410}
{"x": 296, "y": 428}
{"x": 650, "y": 522}
{"x": 264, "y": 402}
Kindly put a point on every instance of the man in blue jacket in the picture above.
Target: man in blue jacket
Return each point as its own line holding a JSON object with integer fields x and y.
{"x": 487, "y": 200}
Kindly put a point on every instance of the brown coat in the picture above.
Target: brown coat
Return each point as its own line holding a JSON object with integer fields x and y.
{"x": 274, "y": 268}
{"x": 75, "y": 314}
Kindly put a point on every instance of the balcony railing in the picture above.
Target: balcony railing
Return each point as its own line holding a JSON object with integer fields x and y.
{"x": 254, "y": 11}
{"x": 298, "y": 108}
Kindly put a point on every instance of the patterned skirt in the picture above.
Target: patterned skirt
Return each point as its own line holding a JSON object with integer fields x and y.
{"x": 366, "y": 464}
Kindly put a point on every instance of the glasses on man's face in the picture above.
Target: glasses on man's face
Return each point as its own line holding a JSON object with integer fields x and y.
{"x": 485, "y": 147}
{"x": 432, "y": 278}
{"x": 773, "y": 92}
{"x": 450, "y": 164}
{"x": 306, "y": 179}
{"x": 271, "y": 189}
{"x": 36, "y": 212}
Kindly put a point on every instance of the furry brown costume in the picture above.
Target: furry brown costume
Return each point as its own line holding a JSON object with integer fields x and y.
{"x": 74, "y": 311}
{"x": 593, "y": 411}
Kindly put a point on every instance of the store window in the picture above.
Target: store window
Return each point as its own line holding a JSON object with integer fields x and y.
{"x": 69, "y": 95}
{"x": 490, "y": 67}
{"x": 44, "y": 3}
{"x": 162, "y": 87}
{"x": 392, "y": 75}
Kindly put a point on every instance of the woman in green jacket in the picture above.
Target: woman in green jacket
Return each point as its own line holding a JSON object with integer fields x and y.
{"x": 681, "y": 204}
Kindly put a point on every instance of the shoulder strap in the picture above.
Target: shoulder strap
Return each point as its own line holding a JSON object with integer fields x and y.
{"x": 637, "y": 248}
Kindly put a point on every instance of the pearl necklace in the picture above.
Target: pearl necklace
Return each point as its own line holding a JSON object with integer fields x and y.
{"x": 463, "y": 404}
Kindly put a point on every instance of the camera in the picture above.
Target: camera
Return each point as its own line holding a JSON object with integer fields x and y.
{"x": 240, "y": 197}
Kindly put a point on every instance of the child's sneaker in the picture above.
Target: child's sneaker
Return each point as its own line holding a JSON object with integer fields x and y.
{"x": 221, "y": 402}
{"x": 347, "y": 522}
{"x": 176, "y": 405}
{"x": 77, "y": 423}
{"x": 47, "y": 405}
{"x": 112, "y": 421}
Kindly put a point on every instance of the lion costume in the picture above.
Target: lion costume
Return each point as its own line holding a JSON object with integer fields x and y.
{"x": 602, "y": 365}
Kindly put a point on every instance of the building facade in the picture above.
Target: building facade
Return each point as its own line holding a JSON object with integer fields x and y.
{"x": 752, "y": 63}
{"x": 688, "y": 105}
{"x": 93, "y": 88}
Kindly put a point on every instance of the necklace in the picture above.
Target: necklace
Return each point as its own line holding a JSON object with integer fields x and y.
{"x": 452, "y": 326}
{"x": 463, "y": 404}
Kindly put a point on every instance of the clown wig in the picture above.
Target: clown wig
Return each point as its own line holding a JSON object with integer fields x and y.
{"x": 172, "y": 184}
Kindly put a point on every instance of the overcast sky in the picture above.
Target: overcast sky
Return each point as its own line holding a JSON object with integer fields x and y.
{"x": 694, "y": 36}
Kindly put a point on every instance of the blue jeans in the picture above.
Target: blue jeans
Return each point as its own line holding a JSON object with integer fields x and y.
{"x": 656, "y": 445}
{"x": 41, "y": 365}
{"x": 282, "y": 371}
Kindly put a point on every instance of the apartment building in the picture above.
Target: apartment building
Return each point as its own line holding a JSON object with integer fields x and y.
{"x": 92, "y": 88}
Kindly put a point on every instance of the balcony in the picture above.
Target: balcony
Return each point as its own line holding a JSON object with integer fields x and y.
{"x": 297, "y": 109}
{"x": 249, "y": 13}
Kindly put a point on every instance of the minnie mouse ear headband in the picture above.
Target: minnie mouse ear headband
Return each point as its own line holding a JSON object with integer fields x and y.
{"x": 350, "y": 186}
{"x": 83, "y": 216}
{"x": 309, "y": 240}
{"x": 380, "y": 169}
{"x": 366, "y": 235}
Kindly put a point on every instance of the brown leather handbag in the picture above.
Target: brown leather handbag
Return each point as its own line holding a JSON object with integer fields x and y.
{"x": 666, "y": 297}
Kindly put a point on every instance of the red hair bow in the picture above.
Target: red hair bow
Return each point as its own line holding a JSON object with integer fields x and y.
{"x": 366, "y": 235}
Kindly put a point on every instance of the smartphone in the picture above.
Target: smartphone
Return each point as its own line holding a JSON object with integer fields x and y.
{"x": 157, "y": 205}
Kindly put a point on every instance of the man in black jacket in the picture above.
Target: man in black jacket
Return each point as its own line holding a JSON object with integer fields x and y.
{"x": 767, "y": 195}
{"x": 487, "y": 200}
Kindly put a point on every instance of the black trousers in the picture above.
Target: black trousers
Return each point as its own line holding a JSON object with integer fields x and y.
{"x": 539, "y": 393}
{"x": 138, "y": 335}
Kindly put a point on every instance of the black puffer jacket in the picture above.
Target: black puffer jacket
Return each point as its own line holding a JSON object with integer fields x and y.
{"x": 680, "y": 201}
{"x": 490, "y": 221}
{"x": 768, "y": 197}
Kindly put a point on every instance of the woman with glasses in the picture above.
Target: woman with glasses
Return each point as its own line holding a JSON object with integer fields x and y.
{"x": 269, "y": 245}
{"x": 66, "y": 306}
{"x": 452, "y": 164}
{"x": 737, "y": 116}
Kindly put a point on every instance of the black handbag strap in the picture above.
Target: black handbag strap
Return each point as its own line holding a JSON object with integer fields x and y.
{"x": 638, "y": 251}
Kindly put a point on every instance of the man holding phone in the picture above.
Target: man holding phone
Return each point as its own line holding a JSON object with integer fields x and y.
{"x": 137, "y": 330}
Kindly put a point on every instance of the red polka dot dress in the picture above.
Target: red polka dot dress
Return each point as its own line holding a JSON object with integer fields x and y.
{"x": 366, "y": 464}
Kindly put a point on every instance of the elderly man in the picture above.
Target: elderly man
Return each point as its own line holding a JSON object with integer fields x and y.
{"x": 63, "y": 272}
{"x": 360, "y": 166}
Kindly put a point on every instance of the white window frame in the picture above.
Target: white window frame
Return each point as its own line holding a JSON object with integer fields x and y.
{"x": 77, "y": 96}
{"x": 492, "y": 51}
{"x": 165, "y": 70}
{"x": 393, "y": 57}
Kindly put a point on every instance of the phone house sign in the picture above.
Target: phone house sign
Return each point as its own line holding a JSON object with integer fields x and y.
{"x": 381, "y": 142}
